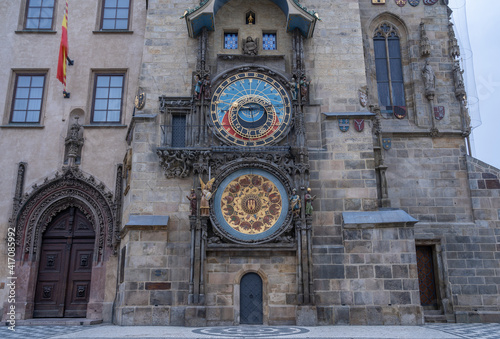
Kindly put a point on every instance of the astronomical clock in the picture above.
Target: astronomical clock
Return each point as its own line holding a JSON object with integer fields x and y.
{"x": 250, "y": 109}
{"x": 254, "y": 110}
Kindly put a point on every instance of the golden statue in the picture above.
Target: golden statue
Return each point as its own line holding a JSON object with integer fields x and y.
{"x": 206, "y": 194}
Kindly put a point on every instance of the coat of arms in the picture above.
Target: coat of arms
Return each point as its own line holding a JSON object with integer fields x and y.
{"x": 344, "y": 125}
{"x": 400, "y": 3}
{"x": 430, "y": 2}
{"x": 386, "y": 143}
{"x": 378, "y": 2}
{"x": 439, "y": 112}
{"x": 140, "y": 101}
{"x": 414, "y": 3}
{"x": 399, "y": 111}
{"x": 359, "y": 124}
{"x": 363, "y": 98}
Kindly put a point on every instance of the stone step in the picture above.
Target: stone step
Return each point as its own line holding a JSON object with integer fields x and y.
{"x": 435, "y": 318}
{"x": 58, "y": 322}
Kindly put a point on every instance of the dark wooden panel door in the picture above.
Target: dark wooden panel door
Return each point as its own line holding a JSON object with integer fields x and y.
{"x": 65, "y": 268}
{"x": 251, "y": 299}
{"x": 426, "y": 276}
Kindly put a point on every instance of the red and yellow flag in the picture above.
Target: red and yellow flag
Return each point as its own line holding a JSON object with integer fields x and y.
{"x": 63, "y": 50}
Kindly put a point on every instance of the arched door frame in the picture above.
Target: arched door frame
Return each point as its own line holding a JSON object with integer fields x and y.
{"x": 37, "y": 209}
{"x": 237, "y": 294}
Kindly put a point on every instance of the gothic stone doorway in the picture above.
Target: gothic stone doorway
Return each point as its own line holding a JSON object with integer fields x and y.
{"x": 65, "y": 268}
{"x": 251, "y": 310}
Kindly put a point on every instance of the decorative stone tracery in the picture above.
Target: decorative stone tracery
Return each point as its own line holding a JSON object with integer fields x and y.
{"x": 69, "y": 189}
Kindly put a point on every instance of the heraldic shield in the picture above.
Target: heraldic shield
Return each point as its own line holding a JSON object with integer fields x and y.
{"x": 386, "y": 143}
{"x": 439, "y": 112}
{"x": 344, "y": 125}
{"x": 400, "y": 3}
{"x": 359, "y": 124}
{"x": 414, "y": 3}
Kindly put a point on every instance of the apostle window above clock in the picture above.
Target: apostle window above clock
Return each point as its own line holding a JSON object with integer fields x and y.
{"x": 269, "y": 41}
{"x": 230, "y": 40}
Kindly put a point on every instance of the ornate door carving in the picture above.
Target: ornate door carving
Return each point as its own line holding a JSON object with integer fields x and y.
{"x": 65, "y": 268}
{"x": 251, "y": 299}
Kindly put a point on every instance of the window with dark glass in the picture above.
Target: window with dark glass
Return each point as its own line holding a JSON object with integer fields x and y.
{"x": 39, "y": 14}
{"x": 178, "y": 130}
{"x": 230, "y": 40}
{"x": 115, "y": 14}
{"x": 28, "y": 96}
{"x": 268, "y": 41}
{"x": 108, "y": 93}
{"x": 389, "y": 68}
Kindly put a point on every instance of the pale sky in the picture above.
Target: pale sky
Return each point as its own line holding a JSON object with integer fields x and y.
{"x": 482, "y": 18}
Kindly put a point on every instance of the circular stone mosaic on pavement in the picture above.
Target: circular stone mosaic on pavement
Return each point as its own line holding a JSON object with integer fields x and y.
{"x": 250, "y": 331}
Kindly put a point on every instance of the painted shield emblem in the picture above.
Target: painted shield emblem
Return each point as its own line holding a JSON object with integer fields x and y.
{"x": 386, "y": 144}
{"x": 344, "y": 125}
{"x": 399, "y": 111}
{"x": 414, "y": 3}
{"x": 359, "y": 124}
{"x": 140, "y": 101}
{"x": 363, "y": 98}
{"x": 430, "y": 2}
{"x": 439, "y": 112}
{"x": 378, "y": 2}
{"x": 400, "y": 3}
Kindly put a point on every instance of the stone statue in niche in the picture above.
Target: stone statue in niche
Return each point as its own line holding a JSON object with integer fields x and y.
{"x": 295, "y": 203}
{"x": 304, "y": 88}
{"x": 250, "y": 46}
{"x": 429, "y": 80}
{"x": 197, "y": 87}
{"x": 309, "y": 199}
{"x": 193, "y": 201}
{"x": 293, "y": 87}
{"x": 206, "y": 87}
{"x": 206, "y": 194}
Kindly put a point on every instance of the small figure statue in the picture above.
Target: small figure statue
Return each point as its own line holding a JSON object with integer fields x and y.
{"x": 250, "y": 20}
{"x": 206, "y": 88}
{"x": 309, "y": 199}
{"x": 206, "y": 194}
{"x": 293, "y": 87}
{"x": 197, "y": 87}
{"x": 304, "y": 88}
{"x": 193, "y": 201}
{"x": 459, "y": 79}
{"x": 429, "y": 80}
{"x": 250, "y": 47}
{"x": 295, "y": 203}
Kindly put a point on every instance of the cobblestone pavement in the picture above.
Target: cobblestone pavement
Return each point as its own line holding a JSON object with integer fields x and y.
{"x": 106, "y": 331}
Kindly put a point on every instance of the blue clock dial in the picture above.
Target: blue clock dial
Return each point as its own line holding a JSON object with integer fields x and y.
{"x": 251, "y": 109}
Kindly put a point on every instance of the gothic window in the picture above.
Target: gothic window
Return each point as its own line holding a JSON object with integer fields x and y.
{"x": 28, "y": 97}
{"x": 108, "y": 94}
{"x": 115, "y": 14}
{"x": 178, "y": 130}
{"x": 230, "y": 40}
{"x": 389, "y": 68}
{"x": 39, "y": 14}
{"x": 269, "y": 41}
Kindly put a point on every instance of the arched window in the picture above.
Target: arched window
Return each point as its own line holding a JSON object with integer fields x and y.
{"x": 389, "y": 69}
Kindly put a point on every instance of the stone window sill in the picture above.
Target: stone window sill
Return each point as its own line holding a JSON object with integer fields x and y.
{"x": 114, "y": 31}
{"x": 22, "y": 126}
{"x": 36, "y": 31}
{"x": 97, "y": 125}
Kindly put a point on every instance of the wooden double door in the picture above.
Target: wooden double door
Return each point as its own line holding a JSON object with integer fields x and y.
{"x": 65, "y": 267}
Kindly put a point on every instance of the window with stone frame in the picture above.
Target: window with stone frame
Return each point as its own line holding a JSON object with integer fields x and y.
{"x": 230, "y": 40}
{"x": 27, "y": 98}
{"x": 389, "y": 69}
{"x": 115, "y": 15}
{"x": 107, "y": 100}
{"x": 39, "y": 14}
{"x": 269, "y": 41}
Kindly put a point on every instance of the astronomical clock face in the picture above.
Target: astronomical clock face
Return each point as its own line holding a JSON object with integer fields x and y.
{"x": 251, "y": 204}
{"x": 251, "y": 109}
